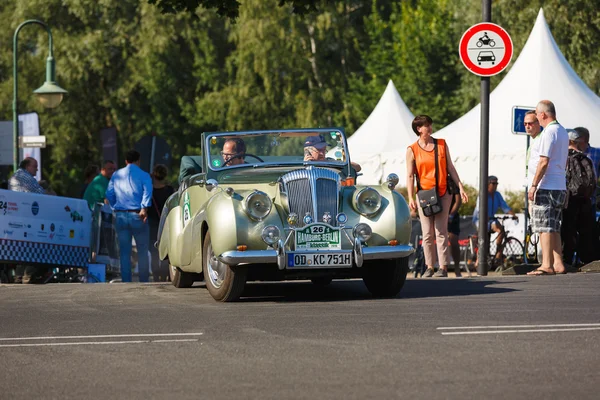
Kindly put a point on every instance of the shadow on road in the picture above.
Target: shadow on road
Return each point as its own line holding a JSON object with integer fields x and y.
{"x": 355, "y": 290}
{"x": 417, "y": 288}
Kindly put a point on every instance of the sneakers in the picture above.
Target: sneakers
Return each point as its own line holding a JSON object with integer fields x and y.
{"x": 428, "y": 273}
{"x": 441, "y": 273}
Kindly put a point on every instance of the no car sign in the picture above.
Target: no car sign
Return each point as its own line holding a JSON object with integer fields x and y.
{"x": 485, "y": 49}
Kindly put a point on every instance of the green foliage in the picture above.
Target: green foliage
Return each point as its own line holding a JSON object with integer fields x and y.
{"x": 468, "y": 208}
{"x": 227, "y": 8}
{"x": 515, "y": 200}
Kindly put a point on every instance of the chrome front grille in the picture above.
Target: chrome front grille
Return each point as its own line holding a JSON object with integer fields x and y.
{"x": 314, "y": 191}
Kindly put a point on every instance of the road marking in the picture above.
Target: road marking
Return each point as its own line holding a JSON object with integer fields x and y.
{"x": 96, "y": 343}
{"x": 519, "y": 326}
{"x": 103, "y": 336}
{"x": 521, "y": 331}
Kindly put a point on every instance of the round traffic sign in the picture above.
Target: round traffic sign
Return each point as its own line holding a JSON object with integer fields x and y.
{"x": 485, "y": 49}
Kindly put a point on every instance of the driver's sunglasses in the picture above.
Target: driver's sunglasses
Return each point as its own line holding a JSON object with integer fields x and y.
{"x": 493, "y": 183}
{"x": 227, "y": 154}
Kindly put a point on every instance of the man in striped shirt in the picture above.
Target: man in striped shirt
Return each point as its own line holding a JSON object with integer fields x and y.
{"x": 24, "y": 179}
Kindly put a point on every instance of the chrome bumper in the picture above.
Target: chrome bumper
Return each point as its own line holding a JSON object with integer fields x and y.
{"x": 279, "y": 256}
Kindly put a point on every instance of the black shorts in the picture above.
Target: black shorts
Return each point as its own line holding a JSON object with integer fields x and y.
{"x": 454, "y": 225}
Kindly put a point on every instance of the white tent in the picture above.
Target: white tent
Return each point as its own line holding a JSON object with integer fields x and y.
{"x": 379, "y": 145}
{"x": 540, "y": 72}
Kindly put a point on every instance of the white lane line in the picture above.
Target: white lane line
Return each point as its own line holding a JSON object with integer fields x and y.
{"x": 174, "y": 340}
{"x": 518, "y": 326}
{"x": 521, "y": 331}
{"x": 103, "y": 336}
{"x": 96, "y": 343}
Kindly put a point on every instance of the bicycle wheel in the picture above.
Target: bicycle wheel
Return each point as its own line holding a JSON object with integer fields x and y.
{"x": 532, "y": 248}
{"x": 512, "y": 253}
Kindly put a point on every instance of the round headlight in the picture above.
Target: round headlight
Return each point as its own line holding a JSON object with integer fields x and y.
{"x": 258, "y": 205}
{"x": 270, "y": 235}
{"x": 367, "y": 201}
{"x": 362, "y": 231}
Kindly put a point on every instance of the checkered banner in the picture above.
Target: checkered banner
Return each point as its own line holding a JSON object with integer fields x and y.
{"x": 45, "y": 253}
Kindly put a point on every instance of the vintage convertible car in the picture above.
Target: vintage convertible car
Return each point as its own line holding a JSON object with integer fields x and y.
{"x": 264, "y": 213}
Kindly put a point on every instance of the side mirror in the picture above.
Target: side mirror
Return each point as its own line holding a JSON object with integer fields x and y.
{"x": 391, "y": 181}
{"x": 211, "y": 184}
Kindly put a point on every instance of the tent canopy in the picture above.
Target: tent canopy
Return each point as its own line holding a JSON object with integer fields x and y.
{"x": 379, "y": 145}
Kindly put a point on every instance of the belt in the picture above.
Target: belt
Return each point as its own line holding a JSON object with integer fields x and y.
{"x": 133, "y": 211}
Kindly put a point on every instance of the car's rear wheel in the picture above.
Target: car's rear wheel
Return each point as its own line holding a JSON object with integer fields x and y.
{"x": 223, "y": 282}
{"x": 321, "y": 281}
{"x": 181, "y": 279}
{"x": 385, "y": 278}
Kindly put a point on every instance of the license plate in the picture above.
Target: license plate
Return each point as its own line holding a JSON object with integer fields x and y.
{"x": 318, "y": 236}
{"x": 319, "y": 260}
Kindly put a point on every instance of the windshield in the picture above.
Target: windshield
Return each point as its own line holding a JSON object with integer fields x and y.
{"x": 227, "y": 150}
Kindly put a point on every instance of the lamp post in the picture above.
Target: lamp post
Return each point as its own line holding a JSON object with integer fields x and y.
{"x": 49, "y": 94}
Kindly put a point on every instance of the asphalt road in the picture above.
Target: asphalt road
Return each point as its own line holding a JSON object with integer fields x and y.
{"x": 514, "y": 338}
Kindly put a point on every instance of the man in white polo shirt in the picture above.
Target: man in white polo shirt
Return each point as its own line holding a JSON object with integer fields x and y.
{"x": 547, "y": 187}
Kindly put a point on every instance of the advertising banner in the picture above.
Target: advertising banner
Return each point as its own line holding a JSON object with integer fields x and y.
{"x": 44, "y": 229}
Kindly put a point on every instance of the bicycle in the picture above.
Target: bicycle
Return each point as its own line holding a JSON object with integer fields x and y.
{"x": 532, "y": 239}
{"x": 512, "y": 248}
{"x": 418, "y": 266}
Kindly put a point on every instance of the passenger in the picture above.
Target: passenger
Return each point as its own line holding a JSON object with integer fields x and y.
{"x": 315, "y": 149}
{"x": 234, "y": 151}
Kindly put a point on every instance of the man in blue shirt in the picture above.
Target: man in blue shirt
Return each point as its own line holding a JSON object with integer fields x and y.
{"x": 129, "y": 193}
{"x": 495, "y": 202}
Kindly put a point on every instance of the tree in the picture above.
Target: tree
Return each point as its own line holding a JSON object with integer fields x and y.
{"x": 124, "y": 65}
{"x": 227, "y": 8}
{"x": 414, "y": 44}
{"x": 285, "y": 71}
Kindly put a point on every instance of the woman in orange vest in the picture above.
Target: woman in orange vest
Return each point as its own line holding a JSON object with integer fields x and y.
{"x": 420, "y": 162}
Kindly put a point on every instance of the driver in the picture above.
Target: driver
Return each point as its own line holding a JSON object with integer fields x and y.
{"x": 234, "y": 151}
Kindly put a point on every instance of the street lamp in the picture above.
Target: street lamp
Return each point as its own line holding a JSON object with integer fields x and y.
{"x": 49, "y": 94}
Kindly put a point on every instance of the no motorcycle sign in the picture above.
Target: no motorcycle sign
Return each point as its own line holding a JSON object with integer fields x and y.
{"x": 485, "y": 49}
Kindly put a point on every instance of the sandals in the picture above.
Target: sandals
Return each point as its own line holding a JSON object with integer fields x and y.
{"x": 540, "y": 272}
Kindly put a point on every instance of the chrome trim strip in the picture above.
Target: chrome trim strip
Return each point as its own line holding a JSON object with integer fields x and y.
{"x": 270, "y": 256}
{"x": 386, "y": 252}
{"x": 235, "y": 257}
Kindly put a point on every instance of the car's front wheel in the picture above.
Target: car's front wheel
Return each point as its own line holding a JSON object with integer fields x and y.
{"x": 223, "y": 282}
{"x": 385, "y": 278}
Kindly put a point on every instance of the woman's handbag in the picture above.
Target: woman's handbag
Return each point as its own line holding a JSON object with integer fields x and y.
{"x": 429, "y": 200}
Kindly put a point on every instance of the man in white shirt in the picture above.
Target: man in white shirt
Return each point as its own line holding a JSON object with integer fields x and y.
{"x": 547, "y": 187}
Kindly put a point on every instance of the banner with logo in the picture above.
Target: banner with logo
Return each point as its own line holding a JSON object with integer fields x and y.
{"x": 44, "y": 229}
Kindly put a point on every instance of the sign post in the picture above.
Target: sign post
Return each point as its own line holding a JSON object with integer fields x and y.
{"x": 485, "y": 49}
{"x": 518, "y": 128}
